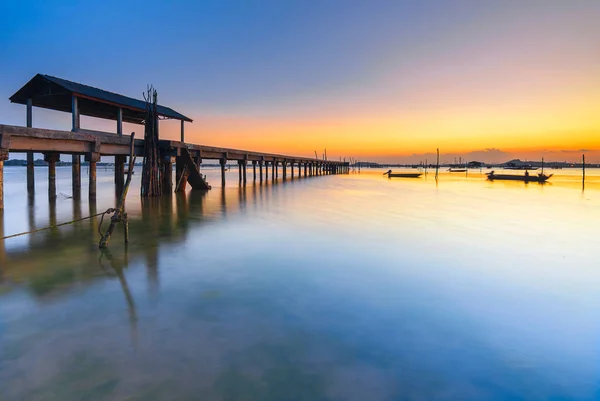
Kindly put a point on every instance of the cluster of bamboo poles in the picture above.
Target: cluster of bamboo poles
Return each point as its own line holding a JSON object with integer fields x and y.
{"x": 150, "y": 171}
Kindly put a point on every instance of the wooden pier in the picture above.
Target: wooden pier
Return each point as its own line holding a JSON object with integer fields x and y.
{"x": 61, "y": 95}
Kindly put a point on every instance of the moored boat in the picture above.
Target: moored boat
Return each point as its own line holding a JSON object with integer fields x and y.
{"x": 402, "y": 175}
{"x": 457, "y": 170}
{"x": 526, "y": 177}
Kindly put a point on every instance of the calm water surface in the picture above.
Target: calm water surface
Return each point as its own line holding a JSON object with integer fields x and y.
{"x": 352, "y": 287}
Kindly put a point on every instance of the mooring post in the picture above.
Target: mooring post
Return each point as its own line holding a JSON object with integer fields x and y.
{"x": 30, "y": 165}
{"x": 223, "y": 162}
{"x": 92, "y": 159}
{"x": 3, "y": 157}
{"x": 254, "y": 169}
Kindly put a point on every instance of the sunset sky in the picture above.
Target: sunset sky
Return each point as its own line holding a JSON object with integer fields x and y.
{"x": 386, "y": 81}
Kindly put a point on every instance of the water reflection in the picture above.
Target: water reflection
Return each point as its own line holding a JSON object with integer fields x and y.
{"x": 341, "y": 288}
{"x": 117, "y": 266}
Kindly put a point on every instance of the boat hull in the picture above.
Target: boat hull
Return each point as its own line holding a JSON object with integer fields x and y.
{"x": 404, "y": 175}
{"x": 524, "y": 178}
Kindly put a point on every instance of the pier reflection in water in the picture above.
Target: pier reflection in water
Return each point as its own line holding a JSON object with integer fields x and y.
{"x": 346, "y": 288}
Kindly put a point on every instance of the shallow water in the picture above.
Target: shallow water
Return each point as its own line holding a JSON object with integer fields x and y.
{"x": 351, "y": 287}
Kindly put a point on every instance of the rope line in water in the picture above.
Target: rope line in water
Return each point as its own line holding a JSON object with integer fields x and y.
{"x": 108, "y": 211}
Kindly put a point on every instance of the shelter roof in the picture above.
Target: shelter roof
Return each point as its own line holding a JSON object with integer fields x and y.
{"x": 56, "y": 94}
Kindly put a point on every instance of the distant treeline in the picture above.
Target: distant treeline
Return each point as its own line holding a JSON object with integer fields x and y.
{"x": 472, "y": 165}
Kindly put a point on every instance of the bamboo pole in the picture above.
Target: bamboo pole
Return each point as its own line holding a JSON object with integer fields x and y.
{"x": 120, "y": 215}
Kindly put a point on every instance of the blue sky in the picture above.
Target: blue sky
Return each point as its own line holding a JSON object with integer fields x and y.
{"x": 279, "y": 65}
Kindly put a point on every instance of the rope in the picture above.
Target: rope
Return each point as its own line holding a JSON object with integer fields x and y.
{"x": 108, "y": 211}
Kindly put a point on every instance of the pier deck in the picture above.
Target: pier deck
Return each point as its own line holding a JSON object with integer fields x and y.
{"x": 95, "y": 144}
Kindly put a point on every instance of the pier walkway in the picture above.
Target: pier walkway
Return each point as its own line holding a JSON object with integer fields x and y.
{"x": 57, "y": 94}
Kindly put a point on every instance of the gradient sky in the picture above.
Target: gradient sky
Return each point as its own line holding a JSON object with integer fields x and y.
{"x": 375, "y": 80}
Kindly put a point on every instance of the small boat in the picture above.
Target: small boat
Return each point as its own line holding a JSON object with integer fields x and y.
{"x": 457, "y": 170}
{"x": 402, "y": 175}
{"x": 526, "y": 178}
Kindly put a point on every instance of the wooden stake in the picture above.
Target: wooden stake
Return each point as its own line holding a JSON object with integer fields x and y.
{"x": 120, "y": 215}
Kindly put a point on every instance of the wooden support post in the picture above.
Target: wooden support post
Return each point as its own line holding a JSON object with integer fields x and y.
{"x": 30, "y": 174}
{"x": 119, "y": 174}
{"x": 244, "y": 165}
{"x": 52, "y": 158}
{"x": 30, "y": 169}
{"x": 240, "y": 170}
{"x": 76, "y": 176}
{"x": 75, "y": 114}
{"x": 299, "y": 169}
{"x": 182, "y": 131}
{"x": 292, "y": 169}
{"x": 277, "y": 170}
{"x": 120, "y": 122}
{"x": 260, "y": 166}
{"x": 305, "y": 169}
{"x": 166, "y": 174}
{"x": 92, "y": 159}
{"x": 254, "y": 169}
{"x": 284, "y": 164}
{"x": 3, "y": 157}
{"x": 29, "y": 113}
{"x": 223, "y": 162}
{"x": 266, "y": 170}
{"x": 273, "y": 169}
